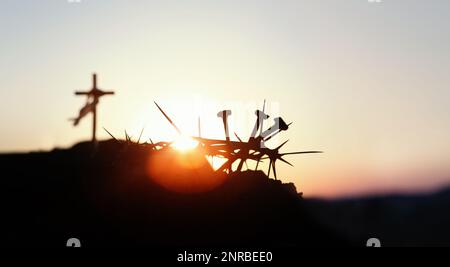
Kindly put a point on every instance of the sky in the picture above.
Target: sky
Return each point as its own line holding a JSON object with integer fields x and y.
{"x": 367, "y": 83}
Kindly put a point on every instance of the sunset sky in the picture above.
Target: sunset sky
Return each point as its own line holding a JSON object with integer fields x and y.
{"x": 368, "y": 83}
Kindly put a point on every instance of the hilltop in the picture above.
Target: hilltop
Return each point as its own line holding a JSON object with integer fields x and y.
{"x": 108, "y": 199}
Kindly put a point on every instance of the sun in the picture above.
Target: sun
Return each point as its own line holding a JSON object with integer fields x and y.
{"x": 184, "y": 143}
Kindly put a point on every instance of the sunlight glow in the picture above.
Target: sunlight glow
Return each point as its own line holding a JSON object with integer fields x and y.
{"x": 184, "y": 143}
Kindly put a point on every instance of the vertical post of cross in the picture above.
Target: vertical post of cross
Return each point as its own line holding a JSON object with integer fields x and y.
{"x": 94, "y": 125}
{"x": 94, "y": 96}
{"x": 94, "y": 111}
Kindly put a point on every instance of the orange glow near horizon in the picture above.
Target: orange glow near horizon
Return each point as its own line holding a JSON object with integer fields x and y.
{"x": 185, "y": 171}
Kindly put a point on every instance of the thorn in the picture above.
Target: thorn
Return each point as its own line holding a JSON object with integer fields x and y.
{"x": 140, "y": 136}
{"x": 238, "y": 137}
{"x": 285, "y": 161}
{"x": 153, "y": 145}
{"x": 301, "y": 152}
{"x": 282, "y": 145}
{"x": 168, "y": 118}
{"x": 127, "y": 137}
{"x": 109, "y": 134}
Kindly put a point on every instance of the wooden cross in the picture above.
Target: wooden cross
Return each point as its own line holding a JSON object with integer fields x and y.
{"x": 91, "y": 107}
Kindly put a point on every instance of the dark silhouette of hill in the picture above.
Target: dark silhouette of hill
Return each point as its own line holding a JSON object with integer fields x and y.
{"x": 107, "y": 199}
{"x": 397, "y": 220}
